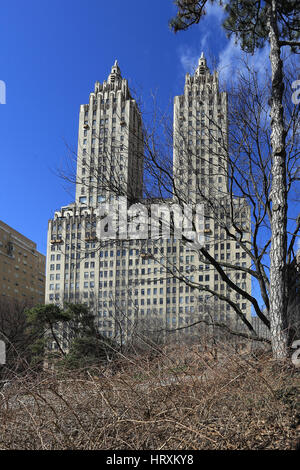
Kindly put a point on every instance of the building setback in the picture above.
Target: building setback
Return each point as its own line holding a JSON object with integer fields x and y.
{"x": 154, "y": 284}
{"x": 22, "y": 268}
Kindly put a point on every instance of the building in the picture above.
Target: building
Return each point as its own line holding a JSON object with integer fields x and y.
{"x": 201, "y": 175}
{"x": 293, "y": 312}
{"x": 22, "y": 268}
{"x": 157, "y": 283}
{"x": 293, "y": 304}
{"x": 260, "y": 328}
{"x": 200, "y": 137}
{"x": 110, "y": 144}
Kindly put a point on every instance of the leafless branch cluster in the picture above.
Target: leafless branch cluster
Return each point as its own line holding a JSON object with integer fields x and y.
{"x": 180, "y": 398}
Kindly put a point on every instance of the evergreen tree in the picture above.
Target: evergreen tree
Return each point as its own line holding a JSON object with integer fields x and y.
{"x": 85, "y": 345}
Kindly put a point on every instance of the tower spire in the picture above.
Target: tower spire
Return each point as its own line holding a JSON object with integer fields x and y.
{"x": 202, "y": 66}
{"x": 115, "y": 72}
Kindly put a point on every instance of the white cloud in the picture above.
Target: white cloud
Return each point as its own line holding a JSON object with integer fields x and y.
{"x": 188, "y": 59}
{"x": 209, "y": 25}
{"x": 231, "y": 60}
{"x": 189, "y": 56}
{"x": 215, "y": 10}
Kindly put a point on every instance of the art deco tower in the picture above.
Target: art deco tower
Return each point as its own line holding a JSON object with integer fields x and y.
{"x": 109, "y": 164}
{"x": 200, "y": 168}
{"x": 200, "y": 136}
{"x": 110, "y": 144}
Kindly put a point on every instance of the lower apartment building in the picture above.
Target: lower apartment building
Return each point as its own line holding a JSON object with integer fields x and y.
{"x": 139, "y": 285}
{"x": 22, "y": 268}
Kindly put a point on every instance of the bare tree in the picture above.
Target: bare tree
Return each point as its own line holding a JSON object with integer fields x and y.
{"x": 18, "y": 340}
{"x": 253, "y": 24}
{"x": 242, "y": 153}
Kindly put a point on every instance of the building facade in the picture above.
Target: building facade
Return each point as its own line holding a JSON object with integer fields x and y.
{"x": 200, "y": 137}
{"x": 293, "y": 312}
{"x": 22, "y": 268}
{"x": 110, "y": 144}
{"x": 158, "y": 283}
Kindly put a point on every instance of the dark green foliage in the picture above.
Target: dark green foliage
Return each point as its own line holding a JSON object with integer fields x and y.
{"x": 249, "y": 22}
{"x": 81, "y": 320}
{"x": 246, "y": 20}
{"x": 189, "y": 12}
{"x": 45, "y": 315}
{"x": 88, "y": 351}
{"x": 44, "y": 319}
{"x": 73, "y": 329}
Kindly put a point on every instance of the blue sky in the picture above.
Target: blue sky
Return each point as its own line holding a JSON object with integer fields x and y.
{"x": 52, "y": 53}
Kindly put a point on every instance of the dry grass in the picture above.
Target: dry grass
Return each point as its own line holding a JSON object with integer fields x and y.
{"x": 181, "y": 399}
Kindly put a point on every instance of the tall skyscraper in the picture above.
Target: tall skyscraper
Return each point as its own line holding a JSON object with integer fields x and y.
{"x": 156, "y": 284}
{"x": 110, "y": 144}
{"x": 200, "y": 137}
{"x": 201, "y": 175}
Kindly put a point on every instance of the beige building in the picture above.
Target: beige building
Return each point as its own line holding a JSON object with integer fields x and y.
{"x": 293, "y": 307}
{"x": 22, "y": 268}
{"x": 200, "y": 137}
{"x": 200, "y": 166}
{"x": 160, "y": 283}
{"x": 110, "y": 144}
{"x": 294, "y": 297}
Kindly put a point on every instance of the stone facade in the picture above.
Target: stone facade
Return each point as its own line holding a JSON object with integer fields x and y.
{"x": 22, "y": 268}
{"x": 110, "y": 144}
{"x": 293, "y": 313}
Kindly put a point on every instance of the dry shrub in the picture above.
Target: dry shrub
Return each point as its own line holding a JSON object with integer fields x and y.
{"x": 182, "y": 398}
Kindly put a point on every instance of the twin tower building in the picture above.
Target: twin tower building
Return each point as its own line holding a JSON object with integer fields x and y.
{"x": 134, "y": 281}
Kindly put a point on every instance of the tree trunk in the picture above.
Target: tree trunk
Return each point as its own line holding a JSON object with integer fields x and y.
{"x": 278, "y": 275}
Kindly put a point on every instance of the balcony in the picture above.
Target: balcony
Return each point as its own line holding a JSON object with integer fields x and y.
{"x": 91, "y": 239}
{"x": 57, "y": 242}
